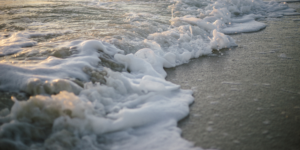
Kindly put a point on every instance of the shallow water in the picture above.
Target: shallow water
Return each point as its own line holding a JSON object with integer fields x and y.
{"x": 92, "y": 72}
{"x": 247, "y": 97}
{"x": 64, "y": 21}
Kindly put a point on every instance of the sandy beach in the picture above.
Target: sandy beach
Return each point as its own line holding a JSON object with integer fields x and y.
{"x": 246, "y": 97}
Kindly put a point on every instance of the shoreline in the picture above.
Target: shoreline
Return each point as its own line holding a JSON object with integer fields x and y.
{"x": 246, "y": 97}
{"x": 138, "y": 102}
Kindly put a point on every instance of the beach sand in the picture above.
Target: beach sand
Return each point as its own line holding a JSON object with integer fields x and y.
{"x": 246, "y": 97}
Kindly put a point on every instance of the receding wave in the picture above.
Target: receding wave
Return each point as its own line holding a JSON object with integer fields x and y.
{"x": 92, "y": 72}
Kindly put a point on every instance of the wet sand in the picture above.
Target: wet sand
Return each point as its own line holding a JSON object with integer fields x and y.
{"x": 246, "y": 97}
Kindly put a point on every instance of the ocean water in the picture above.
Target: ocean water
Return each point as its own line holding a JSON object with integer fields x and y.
{"x": 92, "y": 72}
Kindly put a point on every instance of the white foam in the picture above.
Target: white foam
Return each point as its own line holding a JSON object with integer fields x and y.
{"x": 250, "y": 26}
{"x": 53, "y": 74}
{"x": 14, "y": 43}
{"x": 10, "y": 44}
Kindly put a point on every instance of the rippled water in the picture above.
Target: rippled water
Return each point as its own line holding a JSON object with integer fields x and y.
{"x": 80, "y": 20}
